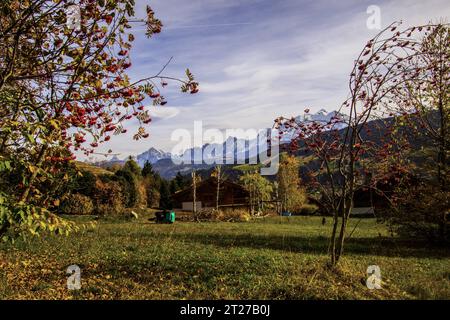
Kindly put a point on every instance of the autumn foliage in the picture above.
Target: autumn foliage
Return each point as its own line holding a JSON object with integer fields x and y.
{"x": 65, "y": 88}
{"x": 391, "y": 72}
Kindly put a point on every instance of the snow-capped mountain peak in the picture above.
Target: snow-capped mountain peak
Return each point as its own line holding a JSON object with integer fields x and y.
{"x": 321, "y": 116}
{"x": 152, "y": 155}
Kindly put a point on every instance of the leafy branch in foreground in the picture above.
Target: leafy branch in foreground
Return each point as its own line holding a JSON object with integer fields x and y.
{"x": 360, "y": 156}
{"x": 65, "y": 89}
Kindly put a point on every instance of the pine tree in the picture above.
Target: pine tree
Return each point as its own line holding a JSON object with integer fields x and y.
{"x": 173, "y": 186}
{"x": 165, "y": 202}
{"x": 181, "y": 181}
{"x": 147, "y": 170}
{"x": 133, "y": 167}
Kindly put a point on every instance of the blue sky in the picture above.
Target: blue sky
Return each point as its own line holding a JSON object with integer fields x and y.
{"x": 255, "y": 59}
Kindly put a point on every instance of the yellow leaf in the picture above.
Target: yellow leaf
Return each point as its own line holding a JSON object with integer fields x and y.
{"x": 54, "y": 124}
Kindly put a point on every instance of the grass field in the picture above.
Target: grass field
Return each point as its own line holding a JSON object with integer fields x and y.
{"x": 271, "y": 258}
{"x": 92, "y": 169}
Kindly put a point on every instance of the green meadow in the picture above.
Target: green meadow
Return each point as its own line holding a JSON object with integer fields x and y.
{"x": 265, "y": 258}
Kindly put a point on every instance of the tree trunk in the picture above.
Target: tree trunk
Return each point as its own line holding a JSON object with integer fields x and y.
{"x": 218, "y": 188}
{"x": 442, "y": 164}
{"x": 345, "y": 218}
{"x": 332, "y": 247}
{"x": 443, "y": 146}
{"x": 194, "y": 204}
{"x": 39, "y": 162}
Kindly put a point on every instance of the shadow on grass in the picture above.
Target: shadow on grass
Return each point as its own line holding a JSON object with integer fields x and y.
{"x": 380, "y": 246}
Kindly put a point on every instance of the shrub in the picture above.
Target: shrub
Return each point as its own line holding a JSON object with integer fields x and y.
{"x": 130, "y": 186}
{"x": 106, "y": 209}
{"x": 84, "y": 183}
{"x": 297, "y": 200}
{"x": 108, "y": 198}
{"x": 234, "y": 215}
{"x": 77, "y": 204}
{"x": 309, "y": 209}
{"x": 228, "y": 215}
{"x": 422, "y": 212}
{"x": 152, "y": 195}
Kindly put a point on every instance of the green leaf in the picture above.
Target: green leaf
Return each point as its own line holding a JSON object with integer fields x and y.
{"x": 30, "y": 138}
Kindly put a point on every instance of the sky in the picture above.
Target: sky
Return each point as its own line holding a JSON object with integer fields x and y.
{"x": 255, "y": 60}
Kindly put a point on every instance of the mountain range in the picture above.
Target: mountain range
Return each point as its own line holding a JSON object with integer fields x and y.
{"x": 152, "y": 155}
{"x": 163, "y": 164}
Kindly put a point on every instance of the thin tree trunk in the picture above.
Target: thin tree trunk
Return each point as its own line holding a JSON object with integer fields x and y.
{"x": 218, "y": 187}
{"x": 39, "y": 162}
{"x": 442, "y": 164}
{"x": 333, "y": 237}
{"x": 345, "y": 218}
{"x": 194, "y": 204}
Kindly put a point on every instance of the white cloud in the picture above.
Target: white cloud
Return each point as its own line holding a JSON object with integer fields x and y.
{"x": 290, "y": 54}
{"x": 163, "y": 113}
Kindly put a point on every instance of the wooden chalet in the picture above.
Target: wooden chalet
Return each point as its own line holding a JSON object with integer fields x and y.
{"x": 231, "y": 195}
